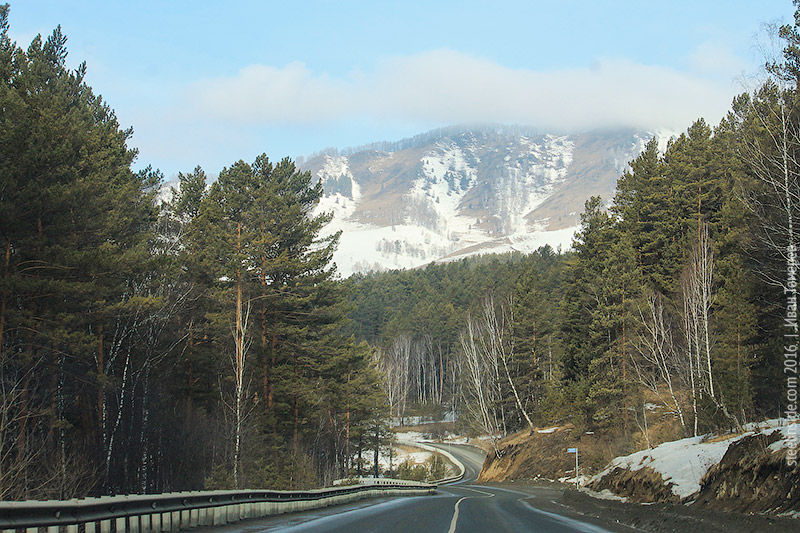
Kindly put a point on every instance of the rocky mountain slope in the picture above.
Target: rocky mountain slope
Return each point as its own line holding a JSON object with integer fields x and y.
{"x": 456, "y": 192}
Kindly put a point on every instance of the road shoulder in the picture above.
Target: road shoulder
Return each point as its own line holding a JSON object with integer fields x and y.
{"x": 626, "y": 516}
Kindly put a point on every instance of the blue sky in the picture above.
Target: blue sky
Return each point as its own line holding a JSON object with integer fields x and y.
{"x": 209, "y": 83}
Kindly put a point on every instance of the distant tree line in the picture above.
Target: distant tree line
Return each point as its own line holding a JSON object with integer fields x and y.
{"x": 205, "y": 342}
{"x": 665, "y": 320}
{"x": 426, "y": 138}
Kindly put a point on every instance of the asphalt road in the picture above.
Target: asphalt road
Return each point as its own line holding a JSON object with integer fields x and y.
{"x": 462, "y": 507}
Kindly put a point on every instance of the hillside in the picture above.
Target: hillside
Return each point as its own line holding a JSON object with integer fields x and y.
{"x": 743, "y": 472}
{"x": 542, "y": 454}
{"x": 457, "y": 192}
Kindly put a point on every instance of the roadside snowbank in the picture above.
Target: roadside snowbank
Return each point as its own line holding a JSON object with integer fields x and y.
{"x": 683, "y": 463}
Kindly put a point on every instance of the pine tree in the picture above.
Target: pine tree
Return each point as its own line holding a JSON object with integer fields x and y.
{"x": 76, "y": 224}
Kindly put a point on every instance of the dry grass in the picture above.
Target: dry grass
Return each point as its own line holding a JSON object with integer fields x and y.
{"x": 528, "y": 456}
{"x": 726, "y": 436}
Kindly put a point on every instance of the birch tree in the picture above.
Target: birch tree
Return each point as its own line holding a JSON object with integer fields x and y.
{"x": 239, "y": 360}
{"x": 481, "y": 384}
{"x": 658, "y": 366}
{"x": 394, "y": 365}
{"x": 770, "y": 146}
{"x": 499, "y": 341}
{"x": 697, "y": 287}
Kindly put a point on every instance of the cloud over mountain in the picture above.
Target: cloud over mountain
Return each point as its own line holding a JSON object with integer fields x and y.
{"x": 445, "y": 86}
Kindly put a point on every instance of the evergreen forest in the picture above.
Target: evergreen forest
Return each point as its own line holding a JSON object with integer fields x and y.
{"x": 155, "y": 342}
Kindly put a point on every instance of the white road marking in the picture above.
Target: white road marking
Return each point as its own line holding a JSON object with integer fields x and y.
{"x": 488, "y": 494}
{"x": 454, "y": 520}
{"x": 455, "y": 516}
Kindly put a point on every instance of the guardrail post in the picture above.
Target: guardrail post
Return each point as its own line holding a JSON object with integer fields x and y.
{"x": 174, "y": 511}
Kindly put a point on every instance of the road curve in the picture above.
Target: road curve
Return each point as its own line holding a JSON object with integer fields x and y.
{"x": 461, "y": 507}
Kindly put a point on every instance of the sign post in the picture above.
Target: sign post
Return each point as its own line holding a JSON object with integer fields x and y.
{"x": 575, "y": 451}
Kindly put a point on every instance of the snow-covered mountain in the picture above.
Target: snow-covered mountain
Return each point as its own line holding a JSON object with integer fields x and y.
{"x": 456, "y": 192}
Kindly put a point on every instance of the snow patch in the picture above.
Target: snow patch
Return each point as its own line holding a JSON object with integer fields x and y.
{"x": 465, "y": 195}
{"x": 606, "y": 494}
{"x": 684, "y": 462}
{"x": 343, "y": 193}
{"x": 411, "y": 436}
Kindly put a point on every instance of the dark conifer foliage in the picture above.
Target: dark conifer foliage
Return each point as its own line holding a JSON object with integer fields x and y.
{"x": 665, "y": 320}
{"x": 206, "y": 341}
{"x": 119, "y": 370}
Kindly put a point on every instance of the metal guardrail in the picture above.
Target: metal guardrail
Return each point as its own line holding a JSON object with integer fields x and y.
{"x": 182, "y": 510}
{"x": 458, "y": 464}
{"x": 379, "y": 481}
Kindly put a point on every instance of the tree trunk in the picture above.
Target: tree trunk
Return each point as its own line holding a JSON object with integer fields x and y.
{"x": 265, "y": 385}
{"x": 4, "y": 297}
{"x": 190, "y": 378}
{"x": 296, "y": 426}
{"x": 624, "y": 365}
{"x": 101, "y": 409}
{"x": 239, "y": 362}
{"x": 360, "y": 460}
{"x": 377, "y": 450}
{"x": 273, "y": 360}
{"x": 347, "y": 431}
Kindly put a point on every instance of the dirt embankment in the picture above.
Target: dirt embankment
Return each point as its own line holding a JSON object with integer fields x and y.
{"x": 543, "y": 455}
{"x": 644, "y": 485}
{"x": 752, "y": 478}
{"x": 751, "y": 475}
{"x": 661, "y": 517}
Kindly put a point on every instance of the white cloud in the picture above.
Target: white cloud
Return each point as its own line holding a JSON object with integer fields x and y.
{"x": 714, "y": 59}
{"x": 451, "y": 87}
{"x": 261, "y": 93}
